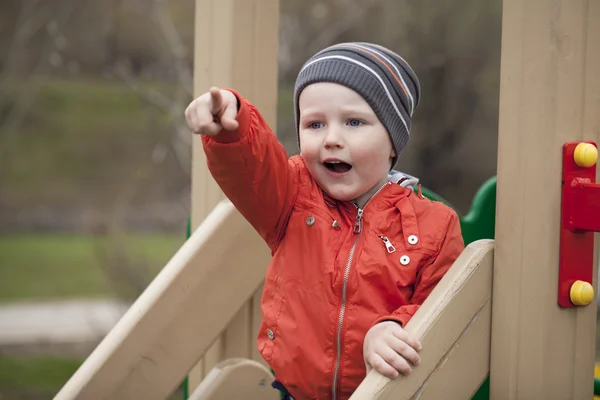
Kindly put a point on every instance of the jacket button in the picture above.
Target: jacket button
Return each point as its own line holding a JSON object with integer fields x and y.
{"x": 310, "y": 221}
{"x": 404, "y": 260}
{"x": 335, "y": 225}
{"x": 413, "y": 239}
{"x": 270, "y": 334}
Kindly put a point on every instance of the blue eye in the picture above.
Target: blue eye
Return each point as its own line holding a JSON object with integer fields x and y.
{"x": 315, "y": 125}
{"x": 355, "y": 122}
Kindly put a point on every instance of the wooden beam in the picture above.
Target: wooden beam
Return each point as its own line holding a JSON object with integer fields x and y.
{"x": 549, "y": 95}
{"x": 236, "y": 46}
{"x": 152, "y": 347}
{"x": 454, "y": 326}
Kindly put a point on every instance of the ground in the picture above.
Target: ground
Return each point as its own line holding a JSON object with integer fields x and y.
{"x": 44, "y": 267}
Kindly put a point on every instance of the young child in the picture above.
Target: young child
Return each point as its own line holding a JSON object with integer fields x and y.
{"x": 355, "y": 250}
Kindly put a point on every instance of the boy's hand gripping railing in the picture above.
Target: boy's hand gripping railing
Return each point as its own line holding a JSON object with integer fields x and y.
{"x": 454, "y": 326}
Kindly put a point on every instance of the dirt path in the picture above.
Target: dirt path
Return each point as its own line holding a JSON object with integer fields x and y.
{"x": 65, "y": 322}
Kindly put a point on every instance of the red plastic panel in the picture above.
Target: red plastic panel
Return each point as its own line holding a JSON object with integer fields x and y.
{"x": 580, "y": 217}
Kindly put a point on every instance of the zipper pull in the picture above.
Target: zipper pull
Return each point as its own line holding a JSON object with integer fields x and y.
{"x": 358, "y": 222}
{"x": 388, "y": 245}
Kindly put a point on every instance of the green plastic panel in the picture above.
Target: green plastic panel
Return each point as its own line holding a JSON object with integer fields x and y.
{"x": 480, "y": 222}
{"x": 185, "y": 386}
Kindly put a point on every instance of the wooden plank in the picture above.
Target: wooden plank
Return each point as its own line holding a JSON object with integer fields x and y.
{"x": 453, "y": 325}
{"x": 214, "y": 354}
{"x": 236, "y": 46}
{"x": 237, "y": 337}
{"x": 548, "y": 96}
{"x": 208, "y": 62}
{"x": 471, "y": 352}
{"x": 239, "y": 379}
{"x": 153, "y": 346}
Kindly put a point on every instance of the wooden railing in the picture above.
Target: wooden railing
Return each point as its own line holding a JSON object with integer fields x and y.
{"x": 173, "y": 323}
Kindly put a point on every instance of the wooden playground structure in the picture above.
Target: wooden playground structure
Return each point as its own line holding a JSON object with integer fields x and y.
{"x": 494, "y": 315}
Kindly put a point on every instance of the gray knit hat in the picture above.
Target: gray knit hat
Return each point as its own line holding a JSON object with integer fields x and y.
{"x": 386, "y": 82}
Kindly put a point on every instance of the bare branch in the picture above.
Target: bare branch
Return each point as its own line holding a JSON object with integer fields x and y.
{"x": 27, "y": 97}
{"x": 153, "y": 97}
{"x": 342, "y": 25}
{"x": 175, "y": 44}
{"x": 28, "y": 24}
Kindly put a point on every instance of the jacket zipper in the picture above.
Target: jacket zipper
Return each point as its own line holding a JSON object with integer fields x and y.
{"x": 388, "y": 245}
{"x": 358, "y": 223}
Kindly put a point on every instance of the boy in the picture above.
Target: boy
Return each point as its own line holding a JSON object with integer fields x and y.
{"x": 355, "y": 250}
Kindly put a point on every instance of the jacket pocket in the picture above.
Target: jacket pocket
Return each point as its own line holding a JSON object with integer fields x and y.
{"x": 306, "y": 255}
{"x": 390, "y": 264}
{"x": 272, "y": 307}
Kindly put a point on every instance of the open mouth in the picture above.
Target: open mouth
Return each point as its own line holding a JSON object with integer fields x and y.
{"x": 337, "y": 166}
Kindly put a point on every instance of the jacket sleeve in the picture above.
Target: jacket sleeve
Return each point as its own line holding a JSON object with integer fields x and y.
{"x": 451, "y": 247}
{"x": 253, "y": 170}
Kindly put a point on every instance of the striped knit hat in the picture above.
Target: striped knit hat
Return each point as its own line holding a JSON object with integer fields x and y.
{"x": 386, "y": 82}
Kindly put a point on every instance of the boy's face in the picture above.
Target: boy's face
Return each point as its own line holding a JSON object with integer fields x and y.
{"x": 346, "y": 148}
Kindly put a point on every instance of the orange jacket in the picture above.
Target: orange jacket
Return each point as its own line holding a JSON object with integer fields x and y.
{"x": 336, "y": 270}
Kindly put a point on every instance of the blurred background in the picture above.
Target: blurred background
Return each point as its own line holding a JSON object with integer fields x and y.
{"x": 95, "y": 153}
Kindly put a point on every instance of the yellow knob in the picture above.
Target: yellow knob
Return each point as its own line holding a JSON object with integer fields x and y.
{"x": 586, "y": 155}
{"x": 582, "y": 293}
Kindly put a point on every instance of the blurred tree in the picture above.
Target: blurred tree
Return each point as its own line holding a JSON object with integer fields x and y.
{"x": 454, "y": 46}
{"x": 147, "y": 46}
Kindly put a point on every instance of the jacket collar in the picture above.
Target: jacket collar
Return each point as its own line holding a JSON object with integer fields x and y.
{"x": 389, "y": 196}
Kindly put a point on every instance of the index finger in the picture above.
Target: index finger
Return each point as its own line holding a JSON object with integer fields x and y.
{"x": 216, "y": 100}
{"x": 408, "y": 339}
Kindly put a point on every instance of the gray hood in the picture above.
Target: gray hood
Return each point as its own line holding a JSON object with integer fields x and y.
{"x": 403, "y": 179}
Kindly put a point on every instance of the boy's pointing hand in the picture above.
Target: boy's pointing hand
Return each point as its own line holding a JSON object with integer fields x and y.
{"x": 212, "y": 112}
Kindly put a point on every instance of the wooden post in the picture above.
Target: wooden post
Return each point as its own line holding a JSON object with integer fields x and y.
{"x": 549, "y": 95}
{"x": 236, "y": 44}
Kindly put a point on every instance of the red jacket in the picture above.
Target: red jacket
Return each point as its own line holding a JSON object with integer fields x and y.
{"x": 336, "y": 270}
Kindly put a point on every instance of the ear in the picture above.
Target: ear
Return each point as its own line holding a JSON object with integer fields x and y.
{"x": 392, "y": 156}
